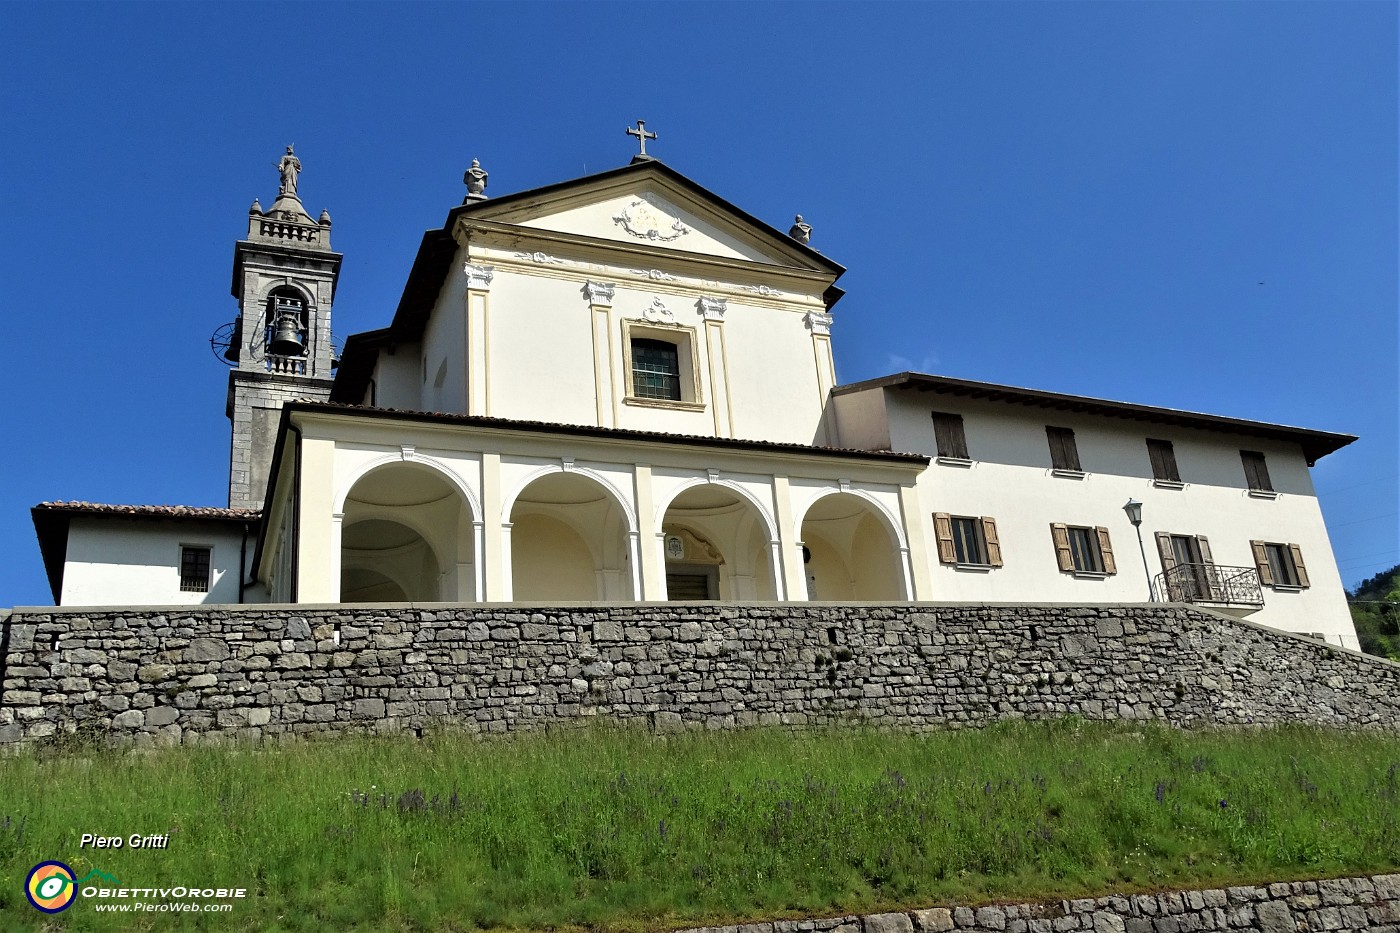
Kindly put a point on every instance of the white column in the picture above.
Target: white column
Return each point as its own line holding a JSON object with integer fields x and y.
{"x": 634, "y": 560}
{"x": 507, "y": 578}
{"x": 600, "y": 297}
{"x": 478, "y": 560}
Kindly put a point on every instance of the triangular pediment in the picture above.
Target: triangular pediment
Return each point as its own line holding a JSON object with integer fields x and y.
{"x": 648, "y": 204}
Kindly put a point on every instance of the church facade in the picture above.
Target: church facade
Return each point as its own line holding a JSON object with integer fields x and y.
{"x": 621, "y": 388}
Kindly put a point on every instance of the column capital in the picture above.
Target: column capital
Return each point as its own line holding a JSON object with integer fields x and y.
{"x": 818, "y": 322}
{"x": 599, "y": 294}
{"x": 711, "y": 309}
{"x": 479, "y": 277}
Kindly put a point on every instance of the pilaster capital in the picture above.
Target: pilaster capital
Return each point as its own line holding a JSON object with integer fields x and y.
{"x": 599, "y": 294}
{"x": 818, "y": 322}
{"x": 711, "y": 309}
{"x": 479, "y": 277}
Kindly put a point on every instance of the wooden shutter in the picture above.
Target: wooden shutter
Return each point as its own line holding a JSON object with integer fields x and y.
{"x": 1256, "y": 471}
{"x": 1164, "y": 548}
{"x": 1163, "y": 460}
{"x": 1261, "y": 562}
{"x": 943, "y": 531}
{"x": 1301, "y": 570}
{"x": 1106, "y": 551}
{"x": 949, "y": 435}
{"x": 1204, "y": 546}
{"x": 989, "y": 538}
{"x": 1064, "y": 455}
{"x": 1060, "y": 535}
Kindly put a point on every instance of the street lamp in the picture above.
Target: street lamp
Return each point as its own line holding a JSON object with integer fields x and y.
{"x": 1133, "y": 508}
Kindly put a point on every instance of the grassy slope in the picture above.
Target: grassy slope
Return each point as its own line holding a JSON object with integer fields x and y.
{"x": 614, "y": 829}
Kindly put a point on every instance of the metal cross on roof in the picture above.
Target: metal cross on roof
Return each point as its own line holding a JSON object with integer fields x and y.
{"x": 642, "y": 136}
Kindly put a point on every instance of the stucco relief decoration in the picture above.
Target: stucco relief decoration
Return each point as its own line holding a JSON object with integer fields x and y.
{"x": 711, "y": 309}
{"x": 644, "y": 220}
{"x": 763, "y": 290}
{"x": 818, "y": 322}
{"x": 656, "y": 275}
{"x": 479, "y": 276}
{"x": 599, "y": 293}
{"x": 542, "y": 258}
{"x": 658, "y": 313}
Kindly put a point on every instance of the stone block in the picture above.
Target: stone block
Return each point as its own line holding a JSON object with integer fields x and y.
{"x": 205, "y": 650}
{"x": 161, "y": 715}
{"x": 992, "y": 918}
{"x": 887, "y": 923}
{"x": 368, "y": 709}
{"x": 131, "y": 719}
{"x": 155, "y": 673}
{"x": 202, "y": 680}
{"x": 933, "y": 920}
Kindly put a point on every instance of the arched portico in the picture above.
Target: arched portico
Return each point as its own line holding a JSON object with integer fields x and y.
{"x": 407, "y": 533}
{"x": 717, "y": 543}
{"x": 852, "y": 550}
{"x": 570, "y": 536}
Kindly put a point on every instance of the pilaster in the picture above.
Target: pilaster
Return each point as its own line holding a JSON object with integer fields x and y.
{"x": 478, "y": 310}
{"x": 318, "y": 544}
{"x": 600, "y": 298}
{"x": 717, "y": 360}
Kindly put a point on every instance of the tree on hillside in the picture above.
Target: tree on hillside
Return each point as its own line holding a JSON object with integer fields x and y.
{"x": 1375, "y": 610}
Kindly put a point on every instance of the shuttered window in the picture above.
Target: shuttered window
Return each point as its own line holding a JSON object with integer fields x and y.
{"x": 1256, "y": 471}
{"x": 1082, "y": 549}
{"x": 966, "y": 539}
{"x": 949, "y": 436}
{"x": 1163, "y": 459}
{"x": 1064, "y": 453}
{"x": 1280, "y": 564}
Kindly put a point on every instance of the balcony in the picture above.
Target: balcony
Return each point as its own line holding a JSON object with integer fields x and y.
{"x": 1233, "y": 589}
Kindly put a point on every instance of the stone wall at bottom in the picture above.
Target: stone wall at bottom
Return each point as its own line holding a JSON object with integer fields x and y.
{"x": 167, "y": 676}
{"x": 1371, "y": 904}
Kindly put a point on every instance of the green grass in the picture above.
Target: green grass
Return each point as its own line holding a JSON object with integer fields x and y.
{"x": 613, "y": 829}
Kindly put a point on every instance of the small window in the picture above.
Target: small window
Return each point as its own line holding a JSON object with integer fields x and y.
{"x": 1280, "y": 564}
{"x": 1256, "y": 471}
{"x": 967, "y": 539}
{"x": 949, "y": 436}
{"x": 194, "y": 569}
{"x": 1082, "y": 549}
{"x": 1064, "y": 454}
{"x": 656, "y": 369}
{"x": 1163, "y": 459}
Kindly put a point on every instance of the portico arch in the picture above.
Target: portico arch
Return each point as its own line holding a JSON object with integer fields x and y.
{"x": 407, "y": 533}
{"x": 852, "y": 550}
{"x": 571, "y": 537}
{"x": 718, "y": 543}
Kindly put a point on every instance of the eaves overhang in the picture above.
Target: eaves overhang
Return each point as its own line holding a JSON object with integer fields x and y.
{"x": 1315, "y": 444}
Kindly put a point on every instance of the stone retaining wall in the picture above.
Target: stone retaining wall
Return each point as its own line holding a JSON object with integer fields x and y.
{"x": 1371, "y": 904}
{"x": 166, "y": 675}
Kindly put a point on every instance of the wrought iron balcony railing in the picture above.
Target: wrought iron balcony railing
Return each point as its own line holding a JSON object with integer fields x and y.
{"x": 1209, "y": 583}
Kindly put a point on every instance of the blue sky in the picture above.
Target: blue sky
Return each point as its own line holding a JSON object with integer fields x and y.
{"x": 1181, "y": 204}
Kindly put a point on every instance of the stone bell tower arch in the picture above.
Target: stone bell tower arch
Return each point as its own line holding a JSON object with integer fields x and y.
{"x": 284, "y": 278}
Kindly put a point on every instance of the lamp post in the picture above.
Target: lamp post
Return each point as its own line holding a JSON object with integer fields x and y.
{"x": 1133, "y": 508}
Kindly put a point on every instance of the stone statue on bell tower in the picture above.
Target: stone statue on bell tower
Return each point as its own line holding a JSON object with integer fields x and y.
{"x": 289, "y": 168}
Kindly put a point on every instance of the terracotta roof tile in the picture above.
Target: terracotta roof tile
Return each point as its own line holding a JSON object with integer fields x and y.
{"x": 153, "y": 511}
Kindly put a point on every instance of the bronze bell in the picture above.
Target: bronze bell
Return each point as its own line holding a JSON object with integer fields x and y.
{"x": 286, "y": 339}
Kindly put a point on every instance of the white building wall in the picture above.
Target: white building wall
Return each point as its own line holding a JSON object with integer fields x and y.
{"x": 398, "y": 381}
{"x": 1010, "y": 479}
{"x": 137, "y": 563}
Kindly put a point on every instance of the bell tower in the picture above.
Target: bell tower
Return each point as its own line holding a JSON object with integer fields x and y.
{"x": 284, "y": 277}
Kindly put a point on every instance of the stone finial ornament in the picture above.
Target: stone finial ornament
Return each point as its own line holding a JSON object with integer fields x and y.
{"x": 801, "y": 232}
{"x": 475, "y": 180}
{"x": 325, "y": 218}
{"x": 256, "y": 208}
{"x": 289, "y": 168}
